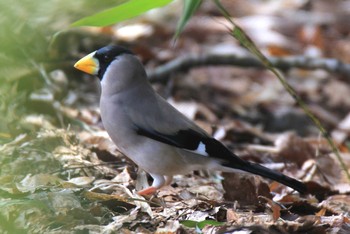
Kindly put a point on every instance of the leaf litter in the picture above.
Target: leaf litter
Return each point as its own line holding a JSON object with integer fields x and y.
{"x": 67, "y": 179}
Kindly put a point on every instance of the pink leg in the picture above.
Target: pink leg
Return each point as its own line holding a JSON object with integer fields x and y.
{"x": 158, "y": 182}
{"x": 147, "y": 191}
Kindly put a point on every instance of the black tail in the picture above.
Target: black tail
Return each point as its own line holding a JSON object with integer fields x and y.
{"x": 214, "y": 147}
{"x": 274, "y": 175}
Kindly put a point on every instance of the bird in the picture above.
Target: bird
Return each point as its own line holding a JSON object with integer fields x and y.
{"x": 151, "y": 132}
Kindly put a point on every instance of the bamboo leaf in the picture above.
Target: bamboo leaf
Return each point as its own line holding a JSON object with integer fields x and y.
{"x": 190, "y": 7}
{"x": 127, "y": 10}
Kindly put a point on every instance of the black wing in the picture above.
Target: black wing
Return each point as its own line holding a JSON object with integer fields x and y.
{"x": 190, "y": 140}
{"x": 186, "y": 139}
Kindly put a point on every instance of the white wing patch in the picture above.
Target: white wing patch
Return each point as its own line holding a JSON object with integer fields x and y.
{"x": 201, "y": 149}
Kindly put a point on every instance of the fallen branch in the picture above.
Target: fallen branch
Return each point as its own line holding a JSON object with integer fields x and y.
{"x": 185, "y": 63}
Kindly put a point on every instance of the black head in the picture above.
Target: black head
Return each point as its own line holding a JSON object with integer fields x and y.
{"x": 108, "y": 54}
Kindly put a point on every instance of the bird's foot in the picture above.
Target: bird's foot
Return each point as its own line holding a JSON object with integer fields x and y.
{"x": 147, "y": 191}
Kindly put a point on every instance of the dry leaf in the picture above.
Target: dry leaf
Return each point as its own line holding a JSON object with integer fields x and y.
{"x": 244, "y": 188}
{"x": 294, "y": 149}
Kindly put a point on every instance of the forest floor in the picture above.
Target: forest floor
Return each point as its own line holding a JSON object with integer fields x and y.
{"x": 61, "y": 173}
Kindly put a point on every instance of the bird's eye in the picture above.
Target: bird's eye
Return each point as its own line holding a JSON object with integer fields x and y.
{"x": 106, "y": 57}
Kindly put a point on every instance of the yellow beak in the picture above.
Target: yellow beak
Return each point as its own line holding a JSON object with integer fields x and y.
{"x": 88, "y": 64}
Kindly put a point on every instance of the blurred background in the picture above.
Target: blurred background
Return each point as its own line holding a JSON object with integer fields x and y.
{"x": 55, "y": 156}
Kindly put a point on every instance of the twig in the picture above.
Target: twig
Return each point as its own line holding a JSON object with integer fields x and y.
{"x": 185, "y": 63}
{"x": 238, "y": 33}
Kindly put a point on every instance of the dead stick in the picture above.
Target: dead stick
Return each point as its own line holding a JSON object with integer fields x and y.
{"x": 185, "y": 63}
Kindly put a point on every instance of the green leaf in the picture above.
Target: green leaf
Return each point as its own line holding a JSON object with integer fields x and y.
{"x": 203, "y": 223}
{"x": 189, "y": 223}
{"x": 127, "y": 10}
{"x": 190, "y": 7}
{"x": 200, "y": 225}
